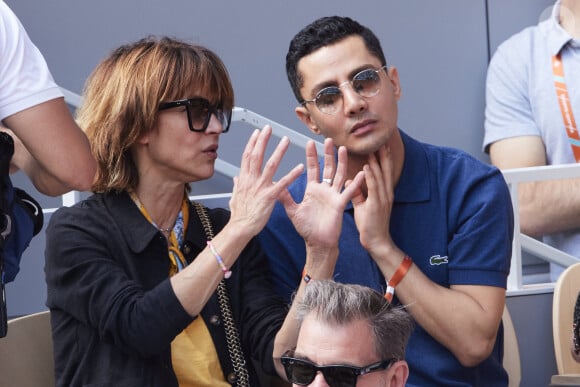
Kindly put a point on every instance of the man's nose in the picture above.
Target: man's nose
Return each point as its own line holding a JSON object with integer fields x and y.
{"x": 353, "y": 102}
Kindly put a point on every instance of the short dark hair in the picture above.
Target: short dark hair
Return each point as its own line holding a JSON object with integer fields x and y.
{"x": 323, "y": 32}
{"x": 336, "y": 303}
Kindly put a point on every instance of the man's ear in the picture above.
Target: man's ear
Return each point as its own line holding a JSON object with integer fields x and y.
{"x": 304, "y": 116}
{"x": 399, "y": 373}
{"x": 395, "y": 83}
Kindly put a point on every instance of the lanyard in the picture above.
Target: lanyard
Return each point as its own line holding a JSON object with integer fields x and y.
{"x": 565, "y": 105}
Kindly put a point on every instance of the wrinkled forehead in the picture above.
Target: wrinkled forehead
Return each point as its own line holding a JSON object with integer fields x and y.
{"x": 323, "y": 343}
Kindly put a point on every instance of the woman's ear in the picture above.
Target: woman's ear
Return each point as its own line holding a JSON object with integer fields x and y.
{"x": 144, "y": 138}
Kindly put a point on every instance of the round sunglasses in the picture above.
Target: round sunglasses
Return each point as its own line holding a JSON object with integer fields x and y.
{"x": 366, "y": 83}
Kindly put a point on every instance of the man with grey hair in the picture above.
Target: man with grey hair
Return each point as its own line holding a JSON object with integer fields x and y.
{"x": 350, "y": 336}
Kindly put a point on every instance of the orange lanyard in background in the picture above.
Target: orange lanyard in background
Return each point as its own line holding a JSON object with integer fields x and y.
{"x": 565, "y": 105}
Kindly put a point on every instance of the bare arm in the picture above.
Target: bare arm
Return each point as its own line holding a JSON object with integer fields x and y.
{"x": 464, "y": 319}
{"x": 318, "y": 219}
{"x": 51, "y": 149}
{"x": 288, "y": 334}
{"x": 253, "y": 198}
{"x": 545, "y": 207}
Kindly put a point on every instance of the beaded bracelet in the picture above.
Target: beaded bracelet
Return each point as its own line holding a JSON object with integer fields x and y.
{"x": 218, "y": 257}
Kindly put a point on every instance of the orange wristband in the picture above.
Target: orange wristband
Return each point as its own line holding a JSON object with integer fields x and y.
{"x": 397, "y": 277}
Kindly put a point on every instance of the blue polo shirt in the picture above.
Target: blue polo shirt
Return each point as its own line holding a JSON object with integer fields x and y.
{"x": 453, "y": 216}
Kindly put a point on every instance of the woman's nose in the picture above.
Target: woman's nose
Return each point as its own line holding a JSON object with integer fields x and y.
{"x": 215, "y": 125}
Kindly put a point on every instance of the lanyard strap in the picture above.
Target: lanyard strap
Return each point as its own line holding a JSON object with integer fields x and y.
{"x": 566, "y": 105}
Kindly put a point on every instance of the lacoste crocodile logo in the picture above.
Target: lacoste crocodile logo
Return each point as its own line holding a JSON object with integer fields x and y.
{"x": 438, "y": 260}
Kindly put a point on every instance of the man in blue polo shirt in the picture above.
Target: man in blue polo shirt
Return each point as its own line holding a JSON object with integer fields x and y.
{"x": 431, "y": 223}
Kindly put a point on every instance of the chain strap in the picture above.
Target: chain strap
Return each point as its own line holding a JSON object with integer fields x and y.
{"x": 576, "y": 326}
{"x": 232, "y": 335}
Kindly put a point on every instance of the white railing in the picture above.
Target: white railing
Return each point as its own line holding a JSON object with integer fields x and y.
{"x": 525, "y": 243}
{"x": 513, "y": 177}
{"x": 239, "y": 114}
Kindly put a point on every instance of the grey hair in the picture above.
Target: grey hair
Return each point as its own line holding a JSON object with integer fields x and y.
{"x": 338, "y": 304}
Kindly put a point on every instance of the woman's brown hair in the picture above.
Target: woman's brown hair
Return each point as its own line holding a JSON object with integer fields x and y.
{"x": 123, "y": 93}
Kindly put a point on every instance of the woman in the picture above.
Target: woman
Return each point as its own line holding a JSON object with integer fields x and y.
{"x": 133, "y": 272}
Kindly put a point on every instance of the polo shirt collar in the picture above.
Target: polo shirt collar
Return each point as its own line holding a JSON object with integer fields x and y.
{"x": 415, "y": 181}
{"x": 414, "y": 184}
{"x": 556, "y": 36}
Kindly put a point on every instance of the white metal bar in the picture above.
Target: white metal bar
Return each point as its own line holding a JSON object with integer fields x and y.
{"x": 70, "y": 198}
{"x": 256, "y": 120}
{"x": 226, "y": 168}
{"x": 71, "y": 98}
{"x": 523, "y": 242}
{"x": 238, "y": 114}
{"x": 211, "y": 196}
{"x": 515, "y": 277}
{"x": 546, "y": 252}
{"x": 545, "y": 172}
{"x": 513, "y": 178}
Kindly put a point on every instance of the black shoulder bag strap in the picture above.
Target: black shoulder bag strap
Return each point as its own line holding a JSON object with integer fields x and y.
{"x": 232, "y": 335}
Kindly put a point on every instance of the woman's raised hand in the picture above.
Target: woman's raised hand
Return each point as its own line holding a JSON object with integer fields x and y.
{"x": 318, "y": 218}
{"x": 255, "y": 193}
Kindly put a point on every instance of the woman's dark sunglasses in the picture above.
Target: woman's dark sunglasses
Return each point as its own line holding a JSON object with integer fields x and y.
{"x": 302, "y": 372}
{"x": 199, "y": 112}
